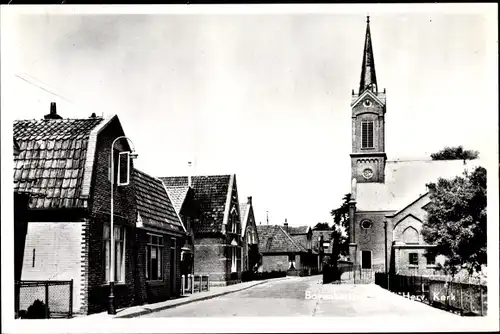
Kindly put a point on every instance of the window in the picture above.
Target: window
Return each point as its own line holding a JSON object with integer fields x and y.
{"x": 366, "y": 224}
{"x": 233, "y": 259}
{"x": 413, "y": 259}
{"x": 234, "y": 226}
{"x": 119, "y": 260}
{"x": 366, "y": 259}
{"x": 326, "y": 244}
{"x": 431, "y": 258}
{"x": 291, "y": 261}
{"x": 367, "y": 134}
{"x": 154, "y": 257}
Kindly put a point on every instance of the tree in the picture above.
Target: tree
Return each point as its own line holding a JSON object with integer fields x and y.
{"x": 322, "y": 226}
{"x": 456, "y": 221}
{"x": 455, "y": 153}
{"x": 340, "y": 231}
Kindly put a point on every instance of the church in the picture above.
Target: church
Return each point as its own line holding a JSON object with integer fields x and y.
{"x": 388, "y": 198}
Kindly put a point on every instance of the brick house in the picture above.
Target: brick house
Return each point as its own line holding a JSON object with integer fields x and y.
{"x": 280, "y": 252}
{"x": 216, "y": 226}
{"x": 159, "y": 238}
{"x": 250, "y": 255}
{"x": 63, "y": 165}
{"x": 388, "y": 198}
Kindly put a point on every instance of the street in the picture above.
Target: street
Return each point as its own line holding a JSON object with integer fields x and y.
{"x": 306, "y": 296}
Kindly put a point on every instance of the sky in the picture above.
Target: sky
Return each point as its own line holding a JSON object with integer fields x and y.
{"x": 264, "y": 96}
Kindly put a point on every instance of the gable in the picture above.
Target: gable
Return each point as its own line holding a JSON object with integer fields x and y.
{"x": 367, "y": 94}
{"x": 210, "y": 193}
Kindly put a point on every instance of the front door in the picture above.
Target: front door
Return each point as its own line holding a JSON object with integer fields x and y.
{"x": 366, "y": 259}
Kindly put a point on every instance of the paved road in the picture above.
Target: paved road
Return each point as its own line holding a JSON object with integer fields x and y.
{"x": 301, "y": 297}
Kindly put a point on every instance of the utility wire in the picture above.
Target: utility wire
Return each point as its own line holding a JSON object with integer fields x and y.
{"x": 43, "y": 88}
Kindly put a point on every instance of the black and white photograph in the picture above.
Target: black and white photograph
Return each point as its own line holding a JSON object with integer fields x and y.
{"x": 249, "y": 168}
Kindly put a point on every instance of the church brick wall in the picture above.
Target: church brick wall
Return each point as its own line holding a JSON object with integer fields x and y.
{"x": 372, "y": 239}
{"x": 403, "y": 266}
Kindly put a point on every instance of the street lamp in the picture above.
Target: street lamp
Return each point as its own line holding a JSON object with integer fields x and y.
{"x": 112, "y": 309}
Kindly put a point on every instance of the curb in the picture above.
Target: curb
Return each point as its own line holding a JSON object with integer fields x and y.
{"x": 149, "y": 311}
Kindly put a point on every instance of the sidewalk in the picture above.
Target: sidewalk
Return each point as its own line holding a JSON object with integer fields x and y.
{"x": 135, "y": 311}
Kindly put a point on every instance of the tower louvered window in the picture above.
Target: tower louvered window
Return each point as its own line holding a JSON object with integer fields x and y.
{"x": 367, "y": 134}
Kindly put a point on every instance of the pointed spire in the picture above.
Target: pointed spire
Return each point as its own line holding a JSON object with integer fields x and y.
{"x": 368, "y": 76}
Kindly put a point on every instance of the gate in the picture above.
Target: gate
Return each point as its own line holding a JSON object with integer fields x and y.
{"x": 44, "y": 299}
{"x": 355, "y": 274}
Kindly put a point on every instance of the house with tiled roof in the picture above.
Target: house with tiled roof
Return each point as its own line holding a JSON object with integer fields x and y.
{"x": 160, "y": 235}
{"x": 251, "y": 255}
{"x": 388, "y": 197}
{"x": 216, "y": 226}
{"x": 63, "y": 166}
{"x": 304, "y": 236}
{"x": 281, "y": 252}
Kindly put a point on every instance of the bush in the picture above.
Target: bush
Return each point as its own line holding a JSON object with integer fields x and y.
{"x": 36, "y": 310}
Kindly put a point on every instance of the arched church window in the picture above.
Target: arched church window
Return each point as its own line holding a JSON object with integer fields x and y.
{"x": 410, "y": 235}
{"x": 366, "y": 224}
{"x": 367, "y": 134}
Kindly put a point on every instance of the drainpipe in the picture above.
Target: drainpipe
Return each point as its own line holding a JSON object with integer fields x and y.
{"x": 385, "y": 244}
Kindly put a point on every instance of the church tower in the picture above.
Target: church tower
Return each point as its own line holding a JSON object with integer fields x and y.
{"x": 368, "y": 122}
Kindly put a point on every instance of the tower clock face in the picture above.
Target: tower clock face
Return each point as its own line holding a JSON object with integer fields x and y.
{"x": 367, "y": 173}
{"x": 367, "y": 103}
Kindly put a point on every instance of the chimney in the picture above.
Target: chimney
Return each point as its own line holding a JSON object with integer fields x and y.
{"x": 189, "y": 173}
{"x": 249, "y": 198}
{"x": 53, "y": 112}
{"x": 286, "y": 226}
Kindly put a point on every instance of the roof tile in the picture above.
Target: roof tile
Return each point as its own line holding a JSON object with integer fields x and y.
{"x": 45, "y": 163}
{"x": 154, "y": 204}
{"x": 210, "y": 193}
{"x": 273, "y": 239}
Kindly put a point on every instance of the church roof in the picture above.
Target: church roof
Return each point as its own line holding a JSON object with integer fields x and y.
{"x": 368, "y": 75}
{"x": 405, "y": 181}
